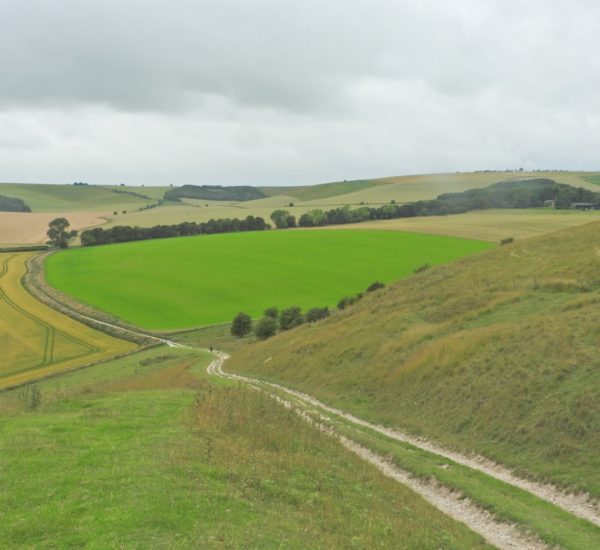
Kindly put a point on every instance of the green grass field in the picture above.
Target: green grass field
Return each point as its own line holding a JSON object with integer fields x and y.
{"x": 193, "y": 281}
{"x": 496, "y": 353}
{"x": 145, "y": 452}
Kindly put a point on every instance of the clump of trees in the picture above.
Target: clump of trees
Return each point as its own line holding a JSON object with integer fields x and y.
{"x": 274, "y": 321}
{"x": 125, "y": 233}
{"x": 59, "y": 234}
{"x": 214, "y": 193}
{"x": 12, "y": 204}
{"x": 283, "y": 219}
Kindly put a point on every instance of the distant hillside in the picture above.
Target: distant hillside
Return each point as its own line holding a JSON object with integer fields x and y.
{"x": 321, "y": 190}
{"x": 74, "y": 198}
{"x": 11, "y": 204}
{"x": 239, "y": 193}
{"x": 496, "y": 353}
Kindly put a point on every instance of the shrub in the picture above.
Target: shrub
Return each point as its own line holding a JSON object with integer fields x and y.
{"x": 272, "y": 312}
{"x": 375, "y": 286}
{"x": 348, "y": 301}
{"x": 241, "y": 325}
{"x": 290, "y": 318}
{"x": 316, "y": 314}
{"x": 265, "y": 328}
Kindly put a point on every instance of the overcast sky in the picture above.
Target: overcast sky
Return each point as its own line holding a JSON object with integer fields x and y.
{"x": 276, "y": 92}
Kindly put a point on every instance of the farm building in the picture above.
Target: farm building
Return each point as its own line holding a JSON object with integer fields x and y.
{"x": 582, "y": 205}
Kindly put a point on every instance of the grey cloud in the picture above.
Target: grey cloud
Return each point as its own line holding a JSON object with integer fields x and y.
{"x": 274, "y": 91}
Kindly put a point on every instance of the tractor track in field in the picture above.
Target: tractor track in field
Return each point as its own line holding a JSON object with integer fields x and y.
{"x": 50, "y": 331}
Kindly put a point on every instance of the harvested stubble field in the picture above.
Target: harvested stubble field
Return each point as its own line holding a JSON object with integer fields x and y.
{"x": 37, "y": 341}
{"x": 194, "y": 281}
{"x": 30, "y": 227}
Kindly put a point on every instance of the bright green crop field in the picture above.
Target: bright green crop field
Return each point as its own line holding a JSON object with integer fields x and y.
{"x": 194, "y": 281}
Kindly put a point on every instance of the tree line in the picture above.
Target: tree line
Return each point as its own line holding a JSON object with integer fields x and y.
{"x": 530, "y": 193}
{"x": 126, "y": 233}
{"x": 12, "y": 204}
{"x": 274, "y": 321}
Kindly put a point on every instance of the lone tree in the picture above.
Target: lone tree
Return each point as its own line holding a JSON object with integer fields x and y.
{"x": 58, "y": 234}
{"x": 241, "y": 325}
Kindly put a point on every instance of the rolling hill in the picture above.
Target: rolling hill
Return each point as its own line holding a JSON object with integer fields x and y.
{"x": 495, "y": 353}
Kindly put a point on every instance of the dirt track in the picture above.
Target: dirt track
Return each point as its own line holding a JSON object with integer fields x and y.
{"x": 500, "y": 534}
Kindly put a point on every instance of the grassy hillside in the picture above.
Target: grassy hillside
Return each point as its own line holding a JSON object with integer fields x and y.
{"x": 37, "y": 341}
{"x": 496, "y": 353}
{"x": 321, "y": 190}
{"x": 193, "y": 281}
{"x": 144, "y": 452}
{"x": 72, "y": 198}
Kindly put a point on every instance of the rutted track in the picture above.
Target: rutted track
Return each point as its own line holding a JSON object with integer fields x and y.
{"x": 577, "y": 505}
{"x": 500, "y": 534}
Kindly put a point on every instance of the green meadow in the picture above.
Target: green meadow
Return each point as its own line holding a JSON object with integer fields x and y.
{"x": 195, "y": 281}
{"x": 146, "y": 452}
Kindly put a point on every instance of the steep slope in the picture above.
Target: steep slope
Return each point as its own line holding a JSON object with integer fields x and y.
{"x": 496, "y": 353}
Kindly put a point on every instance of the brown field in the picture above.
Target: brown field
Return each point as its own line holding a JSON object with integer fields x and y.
{"x": 31, "y": 227}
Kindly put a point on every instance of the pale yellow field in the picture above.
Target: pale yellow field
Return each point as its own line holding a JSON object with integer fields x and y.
{"x": 35, "y": 340}
{"x": 31, "y": 227}
{"x": 486, "y": 225}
